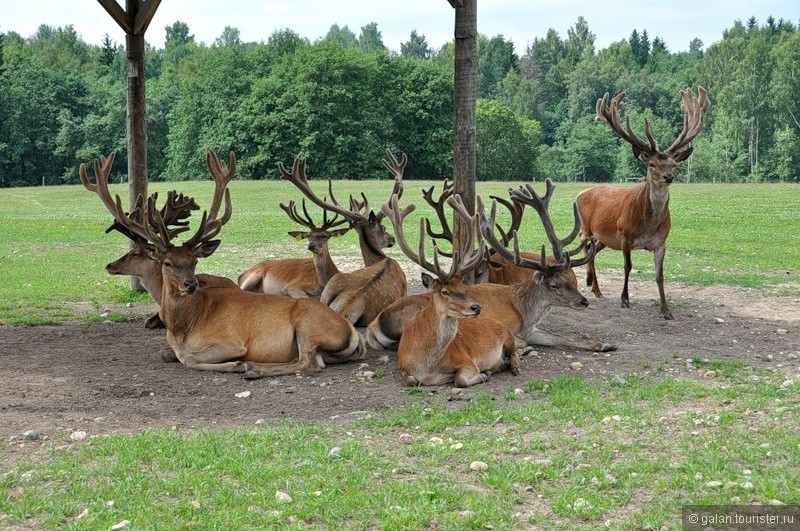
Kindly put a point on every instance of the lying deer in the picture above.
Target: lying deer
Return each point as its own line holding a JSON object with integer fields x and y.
{"x": 228, "y": 330}
{"x": 638, "y": 217}
{"x": 293, "y": 276}
{"x": 359, "y": 295}
{"x": 493, "y": 268}
{"x": 446, "y": 342}
{"x": 140, "y": 261}
{"x": 520, "y": 306}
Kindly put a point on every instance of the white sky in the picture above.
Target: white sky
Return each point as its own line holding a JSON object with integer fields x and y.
{"x": 677, "y": 22}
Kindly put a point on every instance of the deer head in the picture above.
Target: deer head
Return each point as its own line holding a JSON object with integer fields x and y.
{"x": 450, "y": 293}
{"x": 151, "y": 225}
{"x": 660, "y": 164}
{"x": 317, "y": 236}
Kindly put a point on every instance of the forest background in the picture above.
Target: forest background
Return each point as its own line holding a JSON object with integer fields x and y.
{"x": 344, "y": 98}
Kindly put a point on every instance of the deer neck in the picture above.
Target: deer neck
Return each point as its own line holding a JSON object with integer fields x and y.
{"x": 532, "y": 299}
{"x": 180, "y": 311}
{"x": 656, "y": 200}
{"x": 325, "y": 267}
{"x": 152, "y": 283}
{"x": 441, "y": 332}
{"x": 371, "y": 250}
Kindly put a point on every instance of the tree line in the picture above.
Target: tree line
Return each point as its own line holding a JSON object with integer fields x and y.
{"x": 344, "y": 98}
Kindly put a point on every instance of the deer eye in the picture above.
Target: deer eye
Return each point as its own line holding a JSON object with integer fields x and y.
{"x": 652, "y": 165}
{"x": 167, "y": 263}
{"x": 445, "y": 293}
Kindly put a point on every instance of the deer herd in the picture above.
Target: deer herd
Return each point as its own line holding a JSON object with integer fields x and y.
{"x": 298, "y": 315}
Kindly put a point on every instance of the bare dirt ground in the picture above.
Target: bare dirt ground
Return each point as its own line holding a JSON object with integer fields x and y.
{"x": 108, "y": 378}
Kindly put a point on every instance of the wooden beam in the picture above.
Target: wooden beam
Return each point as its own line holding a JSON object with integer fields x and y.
{"x": 118, "y": 14}
{"x": 145, "y": 15}
{"x": 456, "y": 3}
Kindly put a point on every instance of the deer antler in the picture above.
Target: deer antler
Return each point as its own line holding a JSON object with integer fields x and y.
{"x": 210, "y": 225}
{"x": 396, "y": 169}
{"x": 693, "y": 119}
{"x": 610, "y": 115}
{"x": 298, "y": 178}
{"x": 438, "y": 207}
{"x": 516, "y": 210}
{"x": 527, "y": 195}
{"x": 465, "y": 257}
{"x": 306, "y": 221}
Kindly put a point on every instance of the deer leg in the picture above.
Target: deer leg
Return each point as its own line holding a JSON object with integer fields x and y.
{"x": 591, "y": 274}
{"x": 215, "y": 358}
{"x": 626, "y": 253}
{"x": 469, "y": 375}
{"x": 308, "y": 361}
{"x": 658, "y": 256}
{"x": 168, "y": 355}
{"x": 537, "y": 337}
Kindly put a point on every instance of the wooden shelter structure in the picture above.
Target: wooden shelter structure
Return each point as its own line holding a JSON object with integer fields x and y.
{"x": 134, "y": 20}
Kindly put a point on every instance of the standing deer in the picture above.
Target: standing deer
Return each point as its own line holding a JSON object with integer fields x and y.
{"x": 638, "y": 217}
{"x": 446, "y": 341}
{"x": 292, "y": 276}
{"x": 229, "y": 330}
{"x": 521, "y": 306}
{"x": 359, "y": 295}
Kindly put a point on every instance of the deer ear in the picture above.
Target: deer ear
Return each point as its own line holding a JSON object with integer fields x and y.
{"x": 206, "y": 249}
{"x": 372, "y": 218}
{"x": 683, "y": 155}
{"x": 428, "y": 281}
{"x": 339, "y": 232}
{"x": 299, "y": 234}
{"x": 639, "y": 154}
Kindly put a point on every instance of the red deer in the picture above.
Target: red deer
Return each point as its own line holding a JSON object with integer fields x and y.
{"x": 139, "y": 261}
{"x": 446, "y": 341}
{"x": 494, "y": 268}
{"x": 292, "y": 276}
{"x": 359, "y": 295}
{"x": 227, "y": 330}
{"x": 521, "y": 306}
{"x": 638, "y": 217}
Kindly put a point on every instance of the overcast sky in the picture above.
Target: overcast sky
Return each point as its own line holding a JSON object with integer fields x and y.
{"x": 676, "y": 22}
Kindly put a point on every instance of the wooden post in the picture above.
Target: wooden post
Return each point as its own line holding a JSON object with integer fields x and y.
{"x": 466, "y": 92}
{"x": 134, "y": 20}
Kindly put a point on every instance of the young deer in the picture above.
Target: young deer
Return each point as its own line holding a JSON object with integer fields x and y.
{"x": 521, "y": 306}
{"x": 293, "y": 276}
{"x": 638, "y": 217}
{"x": 229, "y": 330}
{"x": 359, "y": 295}
{"x": 445, "y": 342}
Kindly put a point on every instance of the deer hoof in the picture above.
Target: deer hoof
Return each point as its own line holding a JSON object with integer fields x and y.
{"x": 668, "y": 316}
{"x": 515, "y": 371}
{"x": 250, "y": 375}
{"x": 626, "y": 304}
{"x": 607, "y": 347}
{"x": 486, "y": 376}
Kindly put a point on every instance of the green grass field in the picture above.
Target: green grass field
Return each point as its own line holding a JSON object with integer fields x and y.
{"x": 565, "y": 454}
{"x": 54, "y": 248}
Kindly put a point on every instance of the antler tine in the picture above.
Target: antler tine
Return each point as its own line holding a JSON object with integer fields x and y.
{"x": 693, "y": 119}
{"x": 396, "y": 169}
{"x": 466, "y": 257}
{"x": 210, "y": 227}
{"x": 516, "y": 210}
{"x": 291, "y": 211}
{"x": 175, "y": 211}
{"x": 487, "y": 230}
{"x": 222, "y": 175}
{"x": 529, "y": 196}
{"x": 438, "y": 207}
{"x": 298, "y": 178}
{"x": 610, "y": 114}
{"x": 101, "y": 172}
{"x": 392, "y": 211}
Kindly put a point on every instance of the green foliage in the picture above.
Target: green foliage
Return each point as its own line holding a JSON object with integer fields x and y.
{"x": 344, "y": 99}
{"x": 508, "y": 144}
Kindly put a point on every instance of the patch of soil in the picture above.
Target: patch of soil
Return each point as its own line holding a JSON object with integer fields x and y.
{"x": 108, "y": 378}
